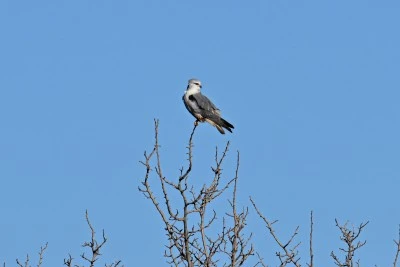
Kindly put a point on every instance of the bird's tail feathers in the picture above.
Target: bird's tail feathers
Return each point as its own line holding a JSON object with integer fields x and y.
{"x": 220, "y": 129}
{"x": 227, "y": 125}
{"x": 214, "y": 123}
{"x": 220, "y": 124}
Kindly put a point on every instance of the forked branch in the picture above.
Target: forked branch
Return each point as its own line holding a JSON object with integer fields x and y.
{"x": 26, "y": 263}
{"x": 94, "y": 247}
{"x": 290, "y": 252}
{"x": 349, "y": 236}
{"x": 189, "y": 217}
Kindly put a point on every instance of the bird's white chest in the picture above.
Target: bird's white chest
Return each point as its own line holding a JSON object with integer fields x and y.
{"x": 192, "y": 90}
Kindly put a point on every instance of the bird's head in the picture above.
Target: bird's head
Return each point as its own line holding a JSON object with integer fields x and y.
{"x": 194, "y": 84}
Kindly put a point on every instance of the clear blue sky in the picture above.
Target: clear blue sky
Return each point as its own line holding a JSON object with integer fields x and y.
{"x": 312, "y": 87}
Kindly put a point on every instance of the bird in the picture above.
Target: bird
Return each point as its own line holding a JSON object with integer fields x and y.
{"x": 202, "y": 108}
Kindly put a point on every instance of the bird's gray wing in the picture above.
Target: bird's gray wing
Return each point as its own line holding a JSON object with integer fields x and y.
{"x": 204, "y": 104}
{"x": 204, "y": 110}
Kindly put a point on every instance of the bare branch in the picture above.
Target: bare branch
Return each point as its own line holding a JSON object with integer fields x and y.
{"x": 398, "y": 249}
{"x": 190, "y": 156}
{"x": 26, "y": 264}
{"x": 311, "y": 264}
{"x": 238, "y": 249}
{"x": 115, "y": 264}
{"x": 349, "y": 236}
{"x": 42, "y": 249}
{"x": 290, "y": 255}
{"x": 260, "y": 261}
{"x": 189, "y": 243}
{"x": 94, "y": 246}
{"x": 68, "y": 261}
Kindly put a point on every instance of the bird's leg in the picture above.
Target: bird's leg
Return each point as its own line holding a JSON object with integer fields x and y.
{"x": 196, "y": 123}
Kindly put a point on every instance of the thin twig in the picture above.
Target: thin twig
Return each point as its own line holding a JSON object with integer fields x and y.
{"x": 26, "y": 264}
{"x": 42, "y": 249}
{"x": 398, "y": 249}
{"x": 311, "y": 264}
{"x": 349, "y": 236}
{"x": 290, "y": 254}
{"x": 260, "y": 261}
{"x": 68, "y": 261}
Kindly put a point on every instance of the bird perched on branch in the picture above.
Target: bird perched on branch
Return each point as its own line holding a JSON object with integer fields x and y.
{"x": 202, "y": 108}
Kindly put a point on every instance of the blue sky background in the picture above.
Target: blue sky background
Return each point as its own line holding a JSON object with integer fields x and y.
{"x": 312, "y": 88}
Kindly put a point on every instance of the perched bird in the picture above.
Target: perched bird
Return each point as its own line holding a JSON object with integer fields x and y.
{"x": 202, "y": 108}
